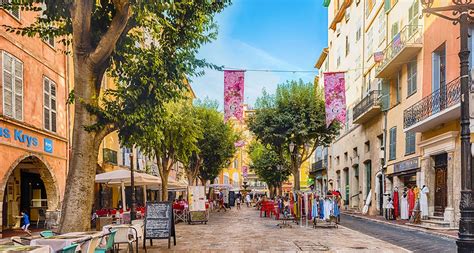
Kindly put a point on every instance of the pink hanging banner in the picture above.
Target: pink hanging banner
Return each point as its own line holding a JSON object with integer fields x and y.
{"x": 233, "y": 94}
{"x": 335, "y": 93}
{"x": 245, "y": 171}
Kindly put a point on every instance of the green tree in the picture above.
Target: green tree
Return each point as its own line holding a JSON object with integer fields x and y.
{"x": 151, "y": 46}
{"x": 216, "y": 148}
{"x": 268, "y": 165}
{"x": 293, "y": 117}
{"x": 174, "y": 139}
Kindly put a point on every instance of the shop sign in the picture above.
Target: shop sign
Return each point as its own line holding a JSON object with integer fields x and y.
{"x": 19, "y": 136}
{"x": 409, "y": 164}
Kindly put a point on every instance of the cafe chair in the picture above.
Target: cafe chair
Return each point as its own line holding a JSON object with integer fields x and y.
{"x": 17, "y": 241}
{"x": 69, "y": 249}
{"x": 89, "y": 245}
{"x": 47, "y": 233}
{"x": 126, "y": 234}
{"x": 109, "y": 246}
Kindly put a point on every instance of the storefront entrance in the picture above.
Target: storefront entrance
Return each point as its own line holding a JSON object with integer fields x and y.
{"x": 441, "y": 188}
{"x": 29, "y": 187}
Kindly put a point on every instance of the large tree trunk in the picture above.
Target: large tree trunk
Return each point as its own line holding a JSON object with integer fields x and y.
{"x": 295, "y": 170}
{"x": 78, "y": 197}
{"x": 164, "y": 186}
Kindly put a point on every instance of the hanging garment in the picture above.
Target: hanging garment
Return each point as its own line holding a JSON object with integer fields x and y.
{"x": 411, "y": 201}
{"x": 321, "y": 209}
{"x": 416, "y": 190}
{"x": 395, "y": 204}
{"x": 314, "y": 212}
{"x": 328, "y": 206}
{"x": 424, "y": 201}
{"x": 404, "y": 207}
{"x": 336, "y": 211}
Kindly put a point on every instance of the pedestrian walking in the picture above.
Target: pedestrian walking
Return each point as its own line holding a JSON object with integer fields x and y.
{"x": 248, "y": 200}
{"x": 26, "y": 222}
{"x": 238, "y": 201}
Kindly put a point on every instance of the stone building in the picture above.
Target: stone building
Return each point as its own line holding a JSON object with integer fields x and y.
{"x": 34, "y": 123}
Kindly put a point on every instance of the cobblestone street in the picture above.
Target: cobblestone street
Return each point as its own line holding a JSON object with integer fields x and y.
{"x": 245, "y": 231}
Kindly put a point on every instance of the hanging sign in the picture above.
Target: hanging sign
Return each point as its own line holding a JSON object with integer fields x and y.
{"x": 233, "y": 94}
{"x": 335, "y": 93}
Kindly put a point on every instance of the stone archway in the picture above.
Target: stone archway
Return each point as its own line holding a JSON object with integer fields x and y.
{"x": 44, "y": 169}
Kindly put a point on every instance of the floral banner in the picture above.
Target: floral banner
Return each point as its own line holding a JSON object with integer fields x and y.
{"x": 239, "y": 144}
{"x": 335, "y": 93}
{"x": 245, "y": 171}
{"x": 233, "y": 94}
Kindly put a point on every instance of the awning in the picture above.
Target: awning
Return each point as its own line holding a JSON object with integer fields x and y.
{"x": 117, "y": 177}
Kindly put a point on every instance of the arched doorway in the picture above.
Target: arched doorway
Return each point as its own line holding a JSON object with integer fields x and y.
{"x": 29, "y": 185}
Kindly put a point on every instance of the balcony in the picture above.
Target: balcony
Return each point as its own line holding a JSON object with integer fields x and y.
{"x": 439, "y": 107}
{"x": 367, "y": 108}
{"x": 339, "y": 13}
{"x": 402, "y": 49}
{"x": 317, "y": 166}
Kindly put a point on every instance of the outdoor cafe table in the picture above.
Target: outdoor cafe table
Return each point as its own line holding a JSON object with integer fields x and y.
{"x": 58, "y": 242}
{"x": 20, "y": 248}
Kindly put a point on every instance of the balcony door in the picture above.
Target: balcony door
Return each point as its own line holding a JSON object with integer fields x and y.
{"x": 438, "y": 82}
{"x": 441, "y": 187}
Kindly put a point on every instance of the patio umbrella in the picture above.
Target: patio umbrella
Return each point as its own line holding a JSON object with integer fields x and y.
{"x": 122, "y": 177}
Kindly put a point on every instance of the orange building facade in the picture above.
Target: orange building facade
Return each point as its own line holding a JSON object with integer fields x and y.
{"x": 33, "y": 123}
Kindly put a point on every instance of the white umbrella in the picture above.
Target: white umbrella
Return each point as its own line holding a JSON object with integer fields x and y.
{"x": 123, "y": 177}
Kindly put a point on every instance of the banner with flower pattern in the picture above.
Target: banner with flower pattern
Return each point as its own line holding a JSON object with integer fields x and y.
{"x": 335, "y": 93}
{"x": 233, "y": 94}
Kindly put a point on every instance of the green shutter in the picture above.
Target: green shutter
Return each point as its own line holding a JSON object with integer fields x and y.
{"x": 385, "y": 95}
{"x": 326, "y": 3}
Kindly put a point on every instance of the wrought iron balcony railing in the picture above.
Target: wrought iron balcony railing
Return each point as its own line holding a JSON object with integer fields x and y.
{"x": 317, "y": 166}
{"x": 372, "y": 99}
{"x": 409, "y": 35}
{"x": 441, "y": 99}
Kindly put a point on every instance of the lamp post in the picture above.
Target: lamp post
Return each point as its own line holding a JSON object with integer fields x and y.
{"x": 462, "y": 12}
{"x": 133, "y": 212}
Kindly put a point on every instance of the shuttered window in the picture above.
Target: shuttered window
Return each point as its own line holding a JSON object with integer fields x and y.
{"x": 393, "y": 144}
{"x": 411, "y": 77}
{"x": 15, "y": 12}
{"x": 410, "y": 141}
{"x": 12, "y": 69}
{"x": 49, "y": 101}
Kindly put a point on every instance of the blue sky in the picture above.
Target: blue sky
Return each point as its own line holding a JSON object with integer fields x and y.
{"x": 264, "y": 34}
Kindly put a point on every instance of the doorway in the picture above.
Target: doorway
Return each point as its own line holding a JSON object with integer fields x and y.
{"x": 441, "y": 189}
{"x": 346, "y": 187}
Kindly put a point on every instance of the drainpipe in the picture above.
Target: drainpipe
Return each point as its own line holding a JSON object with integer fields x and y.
{"x": 384, "y": 162}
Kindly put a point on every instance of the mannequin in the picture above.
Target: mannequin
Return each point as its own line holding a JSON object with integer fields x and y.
{"x": 404, "y": 206}
{"x": 395, "y": 203}
{"x": 424, "y": 202}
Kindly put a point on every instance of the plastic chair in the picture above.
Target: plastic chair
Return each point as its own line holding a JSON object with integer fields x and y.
{"x": 110, "y": 243}
{"x": 90, "y": 244}
{"x": 46, "y": 233}
{"x": 123, "y": 236}
{"x": 69, "y": 249}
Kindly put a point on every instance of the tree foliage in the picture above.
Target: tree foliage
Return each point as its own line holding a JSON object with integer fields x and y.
{"x": 294, "y": 114}
{"x": 268, "y": 164}
{"x": 149, "y": 47}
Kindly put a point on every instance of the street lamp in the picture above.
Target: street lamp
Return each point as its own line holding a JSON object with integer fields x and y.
{"x": 292, "y": 147}
{"x": 462, "y": 12}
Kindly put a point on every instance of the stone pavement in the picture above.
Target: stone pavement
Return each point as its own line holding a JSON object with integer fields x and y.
{"x": 406, "y": 237}
{"x": 245, "y": 231}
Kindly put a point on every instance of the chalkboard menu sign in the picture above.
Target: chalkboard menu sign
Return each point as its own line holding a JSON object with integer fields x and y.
{"x": 159, "y": 222}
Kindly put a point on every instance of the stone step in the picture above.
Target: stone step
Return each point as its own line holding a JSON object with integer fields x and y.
{"x": 438, "y": 218}
{"x": 436, "y": 223}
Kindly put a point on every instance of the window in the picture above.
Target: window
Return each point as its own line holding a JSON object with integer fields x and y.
{"x": 126, "y": 156}
{"x": 392, "y": 154}
{"x": 347, "y": 14}
{"x": 369, "y": 42}
{"x": 410, "y": 140}
{"x": 236, "y": 164}
{"x": 358, "y": 33}
{"x": 354, "y": 152}
{"x": 411, "y": 77}
{"x": 14, "y": 12}
{"x": 49, "y": 40}
{"x": 381, "y": 28}
{"x": 368, "y": 177}
{"x": 49, "y": 105}
{"x": 12, "y": 87}
{"x": 413, "y": 16}
{"x": 394, "y": 30}
{"x": 345, "y": 156}
{"x": 369, "y": 5}
{"x": 367, "y": 146}
{"x": 389, "y": 4}
{"x": 110, "y": 156}
{"x": 347, "y": 46}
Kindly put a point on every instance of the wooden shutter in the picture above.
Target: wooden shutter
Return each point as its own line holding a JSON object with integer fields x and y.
{"x": 46, "y": 105}
{"x": 385, "y": 95}
{"x": 53, "y": 106}
{"x": 7, "y": 85}
{"x": 18, "y": 90}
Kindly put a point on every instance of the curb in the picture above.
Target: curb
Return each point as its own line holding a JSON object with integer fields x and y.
{"x": 403, "y": 226}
